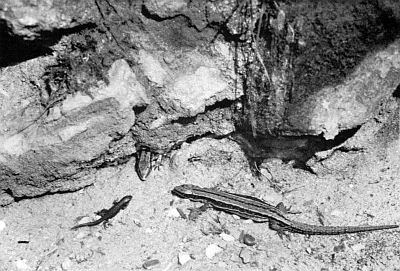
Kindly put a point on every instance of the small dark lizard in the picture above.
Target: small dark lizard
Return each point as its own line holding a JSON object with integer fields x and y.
{"x": 107, "y": 214}
{"x": 259, "y": 211}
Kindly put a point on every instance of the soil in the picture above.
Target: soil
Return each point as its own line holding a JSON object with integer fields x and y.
{"x": 37, "y": 234}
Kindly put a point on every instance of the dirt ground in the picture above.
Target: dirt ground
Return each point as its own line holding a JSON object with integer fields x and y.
{"x": 37, "y": 233}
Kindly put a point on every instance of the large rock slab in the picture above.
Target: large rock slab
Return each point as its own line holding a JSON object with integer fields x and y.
{"x": 78, "y": 135}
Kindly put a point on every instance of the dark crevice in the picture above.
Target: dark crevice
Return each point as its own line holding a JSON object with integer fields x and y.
{"x": 17, "y": 199}
{"x": 225, "y": 103}
{"x": 139, "y": 109}
{"x": 15, "y": 49}
{"x": 223, "y": 29}
{"x": 287, "y": 148}
{"x": 184, "y": 120}
{"x": 341, "y": 137}
{"x": 396, "y": 92}
{"x": 155, "y": 17}
{"x": 197, "y": 137}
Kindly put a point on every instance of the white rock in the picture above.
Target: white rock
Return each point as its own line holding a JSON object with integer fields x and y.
{"x": 183, "y": 257}
{"x": 21, "y": 264}
{"x": 227, "y": 237}
{"x": 193, "y": 92}
{"x": 173, "y": 212}
{"x": 152, "y": 68}
{"x": 212, "y": 250}
{"x": 2, "y": 225}
{"x": 124, "y": 87}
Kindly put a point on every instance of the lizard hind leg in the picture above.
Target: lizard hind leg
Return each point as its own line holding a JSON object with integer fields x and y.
{"x": 106, "y": 224}
{"x": 279, "y": 228}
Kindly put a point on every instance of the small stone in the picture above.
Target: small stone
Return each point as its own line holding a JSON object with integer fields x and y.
{"x": 2, "y": 225}
{"x": 81, "y": 235}
{"x": 358, "y": 247}
{"x": 84, "y": 255}
{"x": 148, "y": 230}
{"x": 151, "y": 263}
{"x": 309, "y": 250}
{"x": 246, "y": 255}
{"x": 212, "y": 250}
{"x": 66, "y": 265}
{"x": 222, "y": 265}
{"x": 337, "y": 213}
{"x": 173, "y": 212}
{"x": 183, "y": 257}
{"x": 227, "y": 237}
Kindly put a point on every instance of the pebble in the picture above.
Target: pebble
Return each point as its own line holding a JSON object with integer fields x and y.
{"x": 151, "y": 263}
{"x": 248, "y": 239}
{"x": 212, "y": 250}
{"x": 339, "y": 248}
{"x": 173, "y": 212}
{"x": 183, "y": 257}
{"x": 2, "y": 225}
{"x": 227, "y": 237}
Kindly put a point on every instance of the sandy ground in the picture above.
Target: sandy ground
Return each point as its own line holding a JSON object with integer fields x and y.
{"x": 150, "y": 228}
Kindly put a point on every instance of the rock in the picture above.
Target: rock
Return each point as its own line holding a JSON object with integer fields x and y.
{"x": 21, "y": 264}
{"x": 183, "y": 257}
{"x": 353, "y": 102}
{"x": 68, "y": 147}
{"x": 31, "y": 18}
{"x": 2, "y": 225}
{"x": 151, "y": 264}
{"x": 66, "y": 265}
{"x": 246, "y": 255}
{"x": 165, "y": 8}
{"x": 152, "y": 68}
{"x": 227, "y": 237}
{"x": 173, "y": 212}
{"x": 213, "y": 250}
{"x": 191, "y": 93}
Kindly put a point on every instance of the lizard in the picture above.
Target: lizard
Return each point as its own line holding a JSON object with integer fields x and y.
{"x": 259, "y": 211}
{"x": 107, "y": 214}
